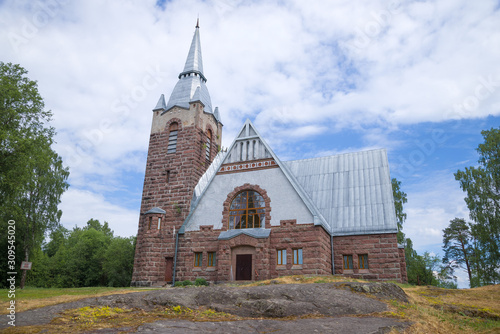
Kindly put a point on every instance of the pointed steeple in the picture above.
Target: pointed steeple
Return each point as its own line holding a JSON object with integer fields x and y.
{"x": 194, "y": 62}
{"x": 161, "y": 104}
{"x": 191, "y": 86}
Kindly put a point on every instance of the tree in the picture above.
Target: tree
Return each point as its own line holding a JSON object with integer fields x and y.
{"x": 118, "y": 261}
{"x": 457, "y": 246}
{"x": 482, "y": 186}
{"x": 399, "y": 200}
{"x": 32, "y": 176}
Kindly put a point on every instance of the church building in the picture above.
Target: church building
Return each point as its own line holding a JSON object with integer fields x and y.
{"x": 243, "y": 214}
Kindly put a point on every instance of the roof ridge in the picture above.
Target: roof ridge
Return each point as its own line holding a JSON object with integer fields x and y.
{"x": 340, "y": 154}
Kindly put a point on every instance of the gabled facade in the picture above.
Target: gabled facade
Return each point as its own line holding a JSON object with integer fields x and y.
{"x": 250, "y": 216}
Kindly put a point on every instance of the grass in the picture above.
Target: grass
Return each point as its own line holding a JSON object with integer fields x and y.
{"x": 431, "y": 309}
{"x": 436, "y": 310}
{"x": 302, "y": 279}
{"x": 30, "y": 298}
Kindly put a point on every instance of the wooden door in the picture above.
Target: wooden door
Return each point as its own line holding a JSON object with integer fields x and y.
{"x": 169, "y": 268}
{"x": 244, "y": 267}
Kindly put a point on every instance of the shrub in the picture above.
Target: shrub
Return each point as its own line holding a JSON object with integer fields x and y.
{"x": 177, "y": 284}
{"x": 200, "y": 281}
{"x": 187, "y": 282}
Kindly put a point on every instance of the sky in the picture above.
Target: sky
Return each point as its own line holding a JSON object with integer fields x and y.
{"x": 419, "y": 78}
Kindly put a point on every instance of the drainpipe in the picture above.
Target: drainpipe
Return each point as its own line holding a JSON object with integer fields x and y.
{"x": 175, "y": 257}
{"x": 333, "y": 265}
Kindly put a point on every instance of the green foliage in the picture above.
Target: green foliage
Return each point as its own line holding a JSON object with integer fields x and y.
{"x": 178, "y": 284}
{"x": 200, "y": 282}
{"x": 426, "y": 269}
{"x": 482, "y": 186}
{"x": 399, "y": 200}
{"x": 187, "y": 283}
{"x": 89, "y": 256}
{"x": 119, "y": 261}
{"x": 32, "y": 177}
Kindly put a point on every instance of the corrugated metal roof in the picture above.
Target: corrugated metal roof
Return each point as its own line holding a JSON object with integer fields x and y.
{"x": 353, "y": 191}
{"x": 347, "y": 193}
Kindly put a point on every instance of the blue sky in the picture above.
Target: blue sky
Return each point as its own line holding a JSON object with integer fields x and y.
{"x": 420, "y": 78}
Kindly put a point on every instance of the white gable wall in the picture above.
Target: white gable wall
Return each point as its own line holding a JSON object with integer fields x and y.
{"x": 285, "y": 202}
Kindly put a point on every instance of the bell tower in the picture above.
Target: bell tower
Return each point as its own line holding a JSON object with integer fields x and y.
{"x": 185, "y": 137}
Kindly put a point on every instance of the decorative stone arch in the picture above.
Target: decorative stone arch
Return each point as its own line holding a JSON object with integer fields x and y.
{"x": 236, "y": 191}
{"x": 173, "y": 127}
{"x": 173, "y": 120}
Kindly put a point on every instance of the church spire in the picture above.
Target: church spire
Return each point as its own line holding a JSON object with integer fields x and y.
{"x": 194, "y": 62}
{"x": 191, "y": 86}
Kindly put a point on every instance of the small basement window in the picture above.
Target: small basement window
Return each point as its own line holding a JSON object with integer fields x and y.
{"x": 281, "y": 258}
{"x": 363, "y": 261}
{"x": 211, "y": 259}
{"x": 197, "y": 259}
{"x": 297, "y": 256}
{"x": 348, "y": 262}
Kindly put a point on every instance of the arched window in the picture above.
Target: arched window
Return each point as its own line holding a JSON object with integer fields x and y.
{"x": 208, "y": 145}
{"x": 172, "y": 138}
{"x": 247, "y": 210}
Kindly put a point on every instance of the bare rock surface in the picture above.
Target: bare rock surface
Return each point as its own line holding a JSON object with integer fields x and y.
{"x": 344, "y": 325}
{"x": 270, "y": 301}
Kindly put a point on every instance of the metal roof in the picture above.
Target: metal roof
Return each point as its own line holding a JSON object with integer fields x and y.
{"x": 161, "y": 104}
{"x": 191, "y": 86}
{"x": 258, "y": 233}
{"x": 156, "y": 210}
{"x": 353, "y": 191}
{"x": 207, "y": 177}
{"x": 347, "y": 194}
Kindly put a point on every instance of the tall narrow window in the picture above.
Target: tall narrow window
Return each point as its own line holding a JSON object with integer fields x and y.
{"x": 172, "y": 138}
{"x": 363, "y": 261}
{"x": 168, "y": 176}
{"x": 197, "y": 259}
{"x": 247, "y": 210}
{"x": 348, "y": 262}
{"x": 159, "y": 222}
{"x": 208, "y": 145}
{"x": 297, "y": 256}
{"x": 150, "y": 222}
{"x": 211, "y": 259}
{"x": 281, "y": 258}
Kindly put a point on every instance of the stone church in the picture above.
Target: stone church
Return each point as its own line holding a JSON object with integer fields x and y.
{"x": 243, "y": 214}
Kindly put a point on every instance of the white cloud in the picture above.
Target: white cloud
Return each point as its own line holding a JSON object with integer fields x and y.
{"x": 299, "y": 69}
{"x": 78, "y": 206}
{"x": 432, "y": 203}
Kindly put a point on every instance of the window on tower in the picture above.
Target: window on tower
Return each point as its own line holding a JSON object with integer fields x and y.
{"x": 208, "y": 145}
{"x": 247, "y": 210}
{"x": 172, "y": 138}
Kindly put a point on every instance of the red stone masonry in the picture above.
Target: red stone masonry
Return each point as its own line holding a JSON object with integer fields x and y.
{"x": 384, "y": 262}
{"x": 169, "y": 182}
